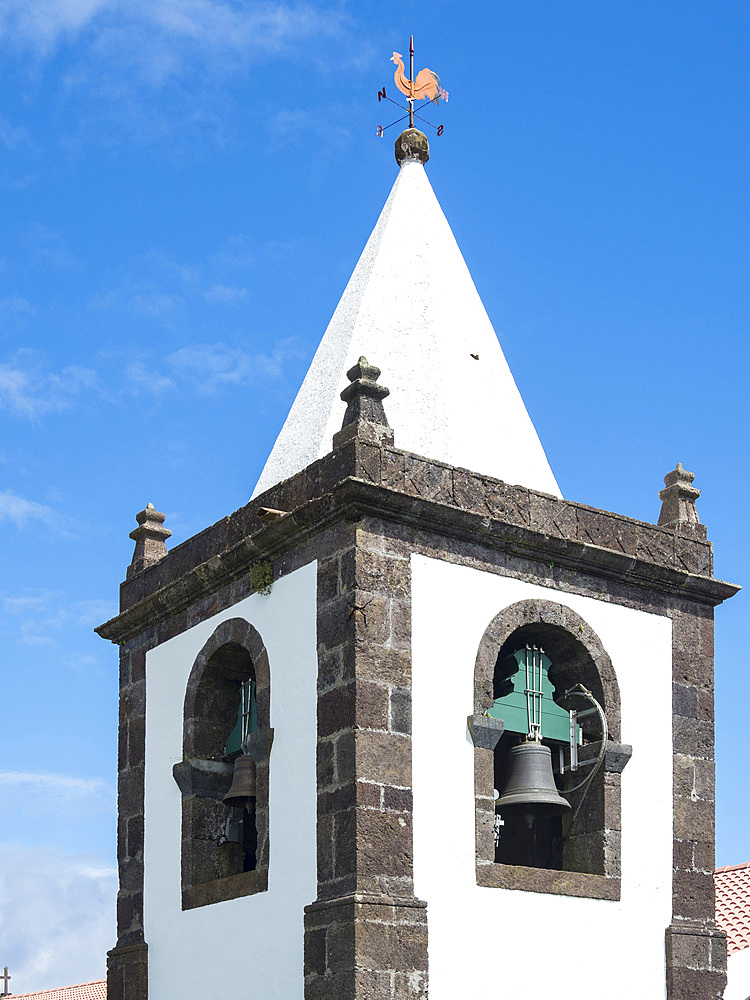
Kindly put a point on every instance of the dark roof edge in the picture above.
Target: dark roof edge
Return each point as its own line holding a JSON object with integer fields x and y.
{"x": 382, "y": 464}
{"x": 353, "y": 496}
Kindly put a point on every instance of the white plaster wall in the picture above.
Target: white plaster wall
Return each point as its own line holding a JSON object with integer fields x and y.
{"x": 516, "y": 943}
{"x": 248, "y": 947}
{"x": 738, "y": 976}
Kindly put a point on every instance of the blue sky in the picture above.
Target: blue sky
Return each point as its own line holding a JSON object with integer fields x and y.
{"x": 186, "y": 186}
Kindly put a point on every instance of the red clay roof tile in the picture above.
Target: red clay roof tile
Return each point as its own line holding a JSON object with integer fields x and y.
{"x": 82, "y": 991}
{"x": 733, "y": 904}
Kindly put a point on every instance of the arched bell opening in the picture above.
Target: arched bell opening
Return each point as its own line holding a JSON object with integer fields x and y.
{"x": 530, "y": 810}
{"x": 223, "y": 834}
{"x": 540, "y": 822}
{"x": 224, "y": 774}
{"x": 240, "y": 828}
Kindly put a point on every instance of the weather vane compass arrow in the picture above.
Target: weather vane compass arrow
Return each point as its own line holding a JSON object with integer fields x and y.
{"x": 425, "y": 86}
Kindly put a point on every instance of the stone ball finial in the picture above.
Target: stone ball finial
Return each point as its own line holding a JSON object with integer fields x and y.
{"x": 412, "y": 145}
{"x": 150, "y": 539}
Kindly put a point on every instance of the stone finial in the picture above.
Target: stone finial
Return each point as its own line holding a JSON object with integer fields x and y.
{"x": 678, "y": 500}
{"x": 150, "y": 539}
{"x": 365, "y": 417}
{"x": 412, "y": 145}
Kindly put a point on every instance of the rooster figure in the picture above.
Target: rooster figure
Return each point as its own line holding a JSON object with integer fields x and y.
{"x": 426, "y": 85}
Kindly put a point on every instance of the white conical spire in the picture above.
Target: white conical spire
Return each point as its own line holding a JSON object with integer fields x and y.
{"x": 412, "y": 309}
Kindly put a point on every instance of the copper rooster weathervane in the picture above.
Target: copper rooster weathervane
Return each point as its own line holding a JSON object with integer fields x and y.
{"x": 425, "y": 86}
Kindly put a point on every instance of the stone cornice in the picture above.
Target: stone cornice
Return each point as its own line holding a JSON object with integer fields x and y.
{"x": 219, "y": 570}
{"x": 656, "y": 561}
{"x": 577, "y": 555}
{"x": 418, "y": 477}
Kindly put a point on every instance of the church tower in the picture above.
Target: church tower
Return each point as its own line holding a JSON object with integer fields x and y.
{"x": 409, "y": 723}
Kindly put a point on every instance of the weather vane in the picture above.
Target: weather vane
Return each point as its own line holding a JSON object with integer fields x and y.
{"x": 425, "y": 86}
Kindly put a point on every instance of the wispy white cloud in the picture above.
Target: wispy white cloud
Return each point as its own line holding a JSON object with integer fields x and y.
{"x": 207, "y": 369}
{"x": 12, "y": 136}
{"x": 139, "y": 299}
{"x": 279, "y": 249}
{"x": 253, "y": 29}
{"x": 157, "y": 304}
{"x": 293, "y": 127}
{"x": 153, "y": 284}
{"x": 55, "y": 787}
{"x": 15, "y": 306}
{"x": 28, "y": 602}
{"x": 210, "y": 367}
{"x": 157, "y": 262}
{"x": 57, "y": 915}
{"x": 238, "y": 252}
{"x": 40, "y": 618}
{"x": 27, "y": 389}
{"x": 118, "y": 52}
{"x": 261, "y": 26}
{"x": 45, "y": 23}
{"x": 140, "y": 379}
{"x": 159, "y": 286}
{"x": 13, "y": 183}
{"x": 86, "y": 614}
{"x": 21, "y": 511}
{"x": 224, "y": 294}
{"x": 49, "y": 246}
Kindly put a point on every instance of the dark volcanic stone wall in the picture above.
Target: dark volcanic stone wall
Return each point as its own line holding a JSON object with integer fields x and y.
{"x": 361, "y": 512}
{"x": 366, "y": 934}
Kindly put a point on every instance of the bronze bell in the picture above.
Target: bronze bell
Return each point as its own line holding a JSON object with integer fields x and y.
{"x": 530, "y": 788}
{"x": 243, "y": 782}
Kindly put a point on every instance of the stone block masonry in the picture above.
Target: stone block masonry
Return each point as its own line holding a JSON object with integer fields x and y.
{"x": 361, "y": 512}
{"x": 366, "y": 934}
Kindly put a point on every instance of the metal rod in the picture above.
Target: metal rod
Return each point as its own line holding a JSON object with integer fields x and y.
{"x": 246, "y": 703}
{"x": 395, "y": 102}
{"x": 534, "y": 691}
{"x": 529, "y": 718}
{"x": 385, "y": 127}
{"x": 411, "y": 81}
{"x": 539, "y": 691}
{"x": 426, "y": 121}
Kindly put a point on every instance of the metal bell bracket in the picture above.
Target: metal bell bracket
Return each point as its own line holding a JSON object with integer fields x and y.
{"x": 595, "y": 708}
{"x": 498, "y": 822}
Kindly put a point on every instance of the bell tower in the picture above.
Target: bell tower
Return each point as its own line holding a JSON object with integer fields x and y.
{"x": 324, "y": 696}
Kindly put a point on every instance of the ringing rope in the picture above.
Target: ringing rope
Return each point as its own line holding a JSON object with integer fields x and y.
{"x": 580, "y": 691}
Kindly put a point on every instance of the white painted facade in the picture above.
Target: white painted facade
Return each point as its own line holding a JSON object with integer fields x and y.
{"x": 411, "y": 308}
{"x": 253, "y": 946}
{"x": 516, "y": 943}
{"x": 475, "y": 933}
{"x": 738, "y": 975}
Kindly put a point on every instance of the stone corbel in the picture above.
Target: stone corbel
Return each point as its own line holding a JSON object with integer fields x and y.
{"x": 616, "y": 755}
{"x": 208, "y": 779}
{"x": 485, "y": 731}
